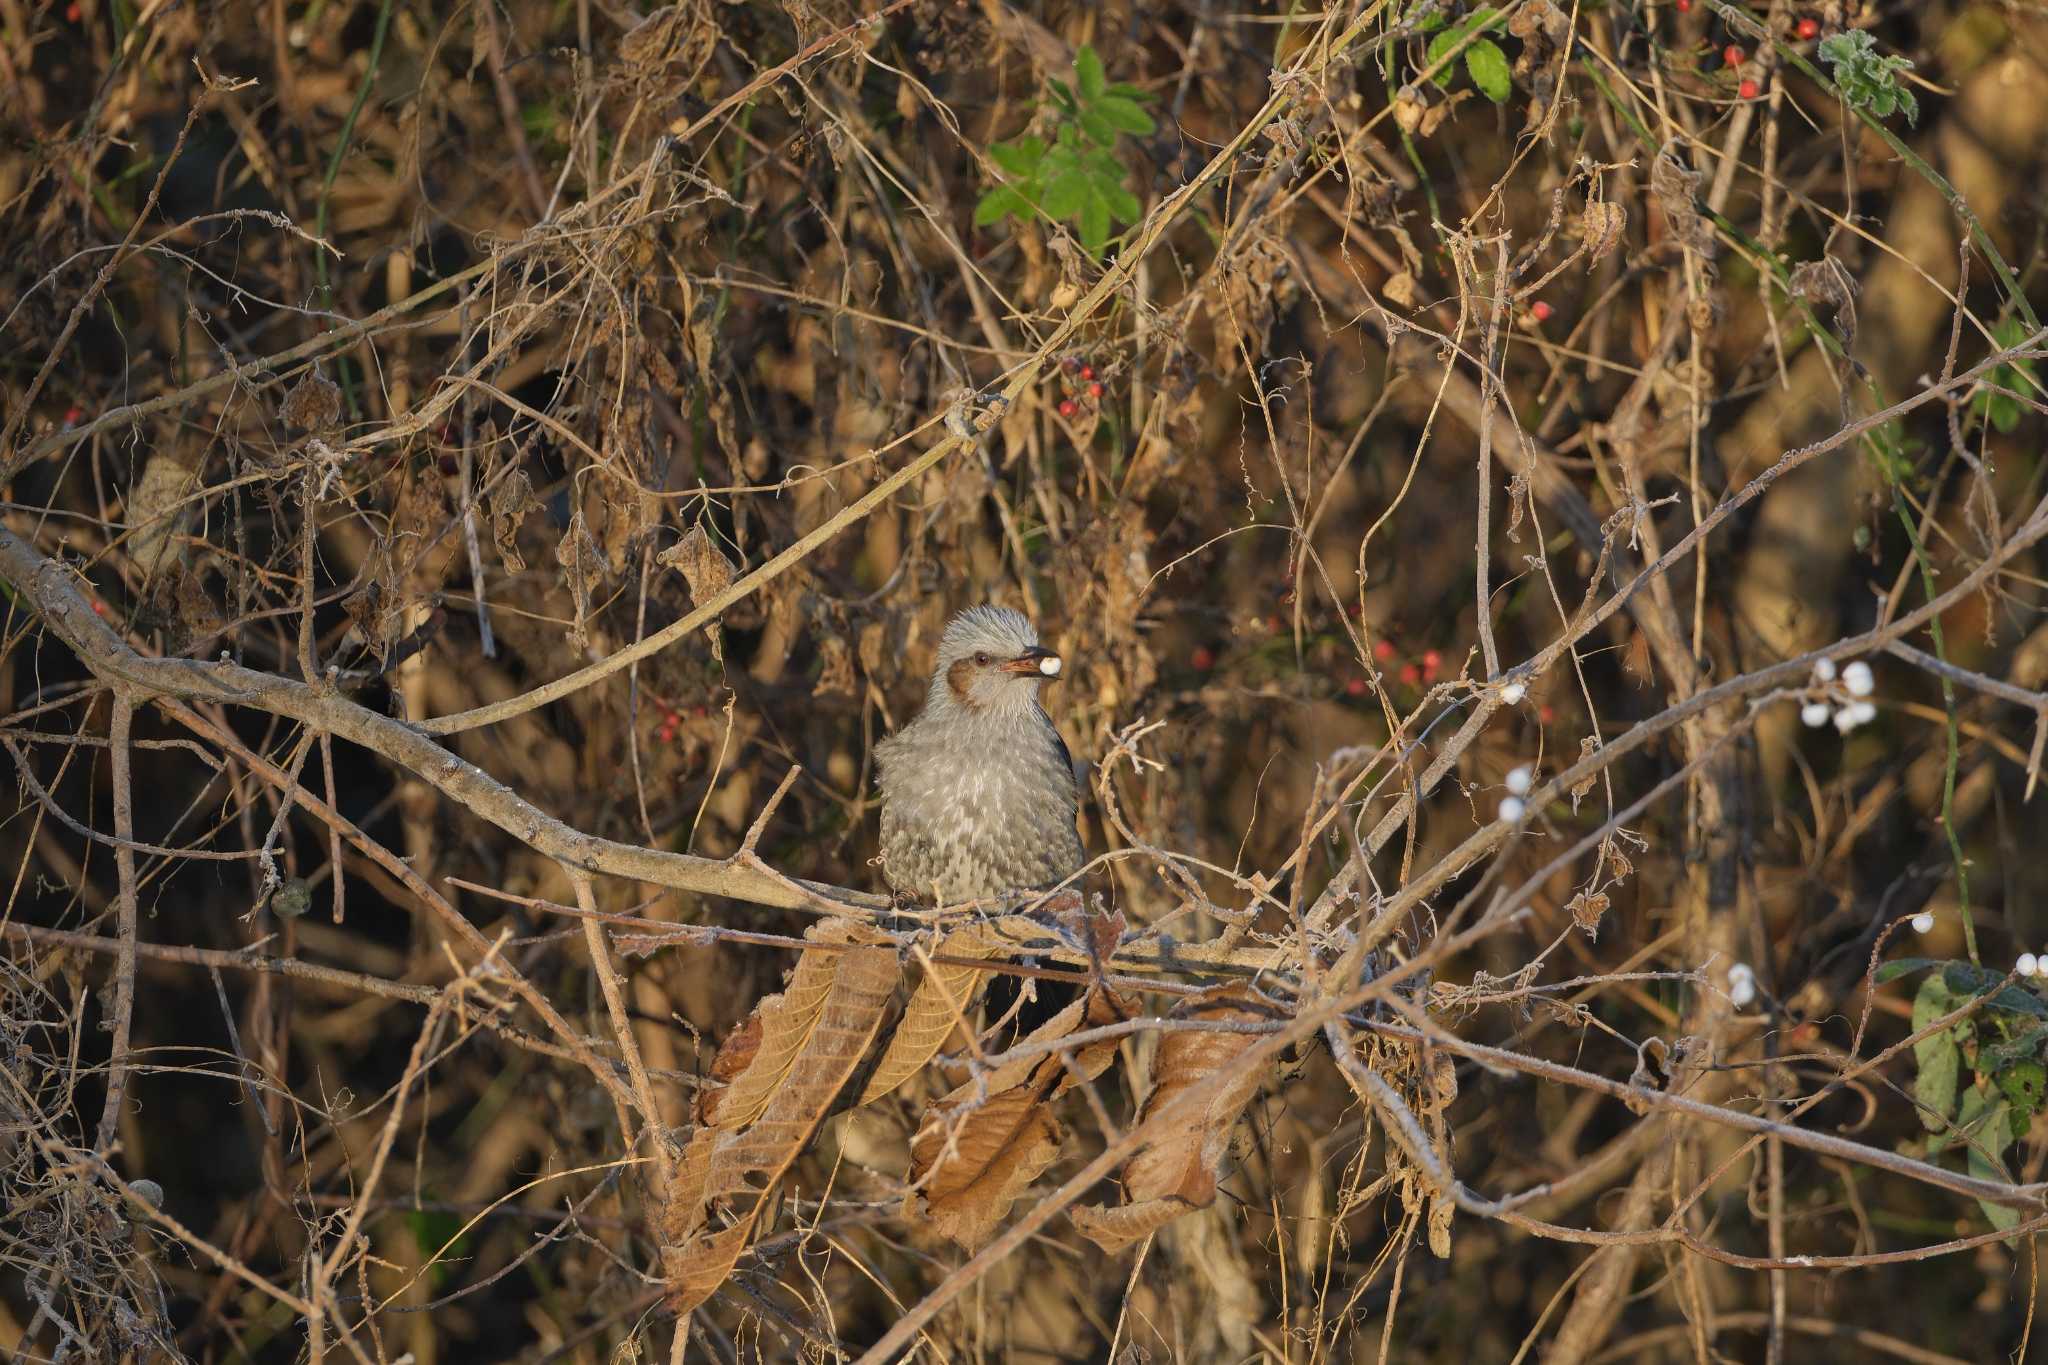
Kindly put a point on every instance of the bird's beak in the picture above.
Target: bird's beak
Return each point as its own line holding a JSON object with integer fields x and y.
{"x": 1036, "y": 662}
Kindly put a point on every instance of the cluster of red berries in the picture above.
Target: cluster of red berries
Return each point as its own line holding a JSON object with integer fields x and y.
{"x": 1808, "y": 28}
{"x": 1078, "y": 378}
{"x": 671, "y": 721}
{"x": 1417, "y": 672}
{"x": 1735, "y": 57}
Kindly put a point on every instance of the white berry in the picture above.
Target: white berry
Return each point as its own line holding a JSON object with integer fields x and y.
{"x": 1512, "y": 809}
{"x": 1815, "y": 713}
{"x": 1050, "y": 665}
{"x": 1858, "y": 678}
{"x": 1923, "y": 923}
{"x": 2027, "y": 965}
{"x": 1520, "y": 780}
{"x": 1513, "y": 693}
{"x": 1824, "y": 669}
{"x": 1741, "y": 985}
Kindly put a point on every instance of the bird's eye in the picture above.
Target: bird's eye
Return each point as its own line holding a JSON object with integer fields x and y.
{"x": 981, "y": 659}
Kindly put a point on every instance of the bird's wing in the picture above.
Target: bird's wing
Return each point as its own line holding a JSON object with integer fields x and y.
{"x": 1059, "y": 743}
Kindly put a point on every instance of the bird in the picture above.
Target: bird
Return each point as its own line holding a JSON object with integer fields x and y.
{"x": 978, "y": 793}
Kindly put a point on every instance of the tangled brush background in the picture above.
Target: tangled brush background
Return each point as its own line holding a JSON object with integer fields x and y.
{"x": 1540, "y": 505}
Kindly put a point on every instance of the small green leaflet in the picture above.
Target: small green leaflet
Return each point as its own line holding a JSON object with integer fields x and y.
{"x": 1076, "y": 178}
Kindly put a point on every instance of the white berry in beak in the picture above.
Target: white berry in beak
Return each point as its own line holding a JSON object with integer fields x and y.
{"x": 1050, "y": 665}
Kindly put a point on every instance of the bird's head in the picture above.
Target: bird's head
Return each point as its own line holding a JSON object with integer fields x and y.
{"x": 990, "y": 663}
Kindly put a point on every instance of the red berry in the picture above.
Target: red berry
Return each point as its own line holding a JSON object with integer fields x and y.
{"x": 1540, "y": 311}
{"x": 1354, "y": 687}
{"x": 1095, "y": 390}
{"x": 1070, "y": 363}
{"x": 1685, "y": 6}
{"x": 1204, "y": 658}
{"x": 1546, "y": 713}
{"x": 72, "y": 11}
{"x": 1748, "y": 89}
{"x": 1431, "y": 659}
{"x": 1067, "y": 408}
{"x": 1410, "y": 674}
{"x": 1732, "y": 54}
{"x": 1809, "y": 29}
{"x": 1087, "y": 371}
{"x": 1383, "y": 650}
{"x": 99, "y": 608}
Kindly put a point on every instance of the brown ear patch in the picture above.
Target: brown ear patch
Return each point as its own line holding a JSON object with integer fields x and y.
{"x": 959, "y": 678}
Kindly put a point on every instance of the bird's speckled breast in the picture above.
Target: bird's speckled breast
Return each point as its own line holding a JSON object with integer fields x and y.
{"x": 977, "y": 808}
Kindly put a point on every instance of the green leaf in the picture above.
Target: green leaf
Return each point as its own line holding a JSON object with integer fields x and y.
{"x": 1438, "y": 47}
{"x": 1019, "y": 158}
{"x": 1095, "y": 220}
{"x": 1938, "y": 1058}
{"x": 1088, "y": 74}
{"x": 1123, "y": 205}
{"x": 1488, "y": 67}
{"x": 1903, "y": 966}
{"x": 1988, "y": 1126}
{"x": 1001, "y": 202}
{"x": 1124, "y": 115}
{"x": 1099, "y": 129}
{"x": 2023, "y": 1084}
{"x": 2023, "y": 1047}
{"x": 1065, "y": 195}
{"x": 1125, "y": 90}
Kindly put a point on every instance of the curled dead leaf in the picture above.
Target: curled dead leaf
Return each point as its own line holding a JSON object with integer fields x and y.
{"x": 705, "y": 568}
{"x": 1177, "y": 1167}
{"x": 1601, "y": 225}
{"x": 981, "y": 1145}
{"x": 312, "y": 404}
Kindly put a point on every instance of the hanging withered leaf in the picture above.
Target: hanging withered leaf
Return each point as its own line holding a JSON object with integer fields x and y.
{"x": 1601, "y": 225}
{"x": 705, "y": 568}
{"x": 788, "y": 1065}
{"x": 1825, "y": 283}
{"x": 980, "y": 1146}
{"x": 1176, "y": 1169}
{"x": 510, "y": 502}
{"x": 312, "y": 404}
{"x": 945, "y": 993}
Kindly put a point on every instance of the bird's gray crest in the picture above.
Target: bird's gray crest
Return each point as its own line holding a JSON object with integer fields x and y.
{"x": 1000, "y": 631}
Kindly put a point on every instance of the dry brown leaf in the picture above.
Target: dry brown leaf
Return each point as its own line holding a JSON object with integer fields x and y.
{"x": 742, "y": 1165}
{"x": 973, "y": 1160}
{"x": 1601, "y": 225}
{"x": 758, "y": 1056}
{"x": 156, "y": 510}
{"x": 1587, "y": 907}
{"x": 1114, "y": 1228}
{"x": 1588, "y": 746}
{"x": 510, "y": 503}
{"x": 980, "y": 1145}
{"x": 312, "y": 404}
{"x": 1176, "y": 1170}
{"x": 707, "y": 571}
{"x": 744, "y": 1162}
{"x": 943, "y": 996}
